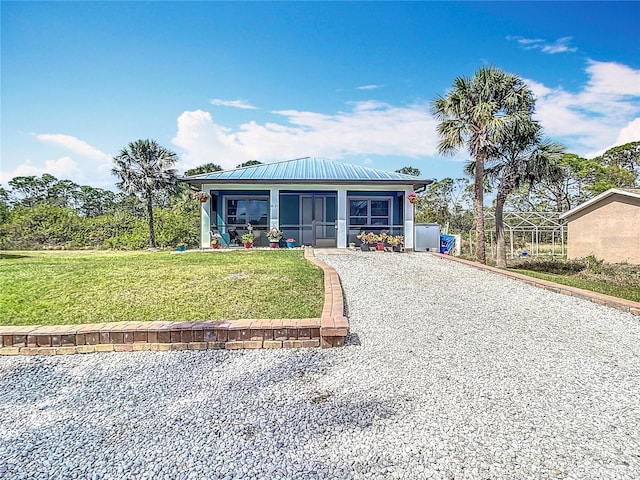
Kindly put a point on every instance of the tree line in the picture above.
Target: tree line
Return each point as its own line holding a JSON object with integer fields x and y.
{"x": 489, "y": 114}
{"x": 449, "y": 201}
{"x": 153, "y": 209}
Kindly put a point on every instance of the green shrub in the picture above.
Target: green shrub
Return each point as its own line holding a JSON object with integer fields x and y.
{"x": 50, "y": 226}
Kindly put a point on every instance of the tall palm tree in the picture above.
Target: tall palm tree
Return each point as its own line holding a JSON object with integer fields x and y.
{"x": 144, "y": 167}
{"x": 475, "y": 114}
{"x": 522, "y": 158}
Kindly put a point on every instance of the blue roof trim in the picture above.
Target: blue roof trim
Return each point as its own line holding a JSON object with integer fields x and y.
{"x": 306, "y": 170}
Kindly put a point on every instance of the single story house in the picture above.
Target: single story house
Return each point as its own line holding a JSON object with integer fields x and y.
{"x": 607, "y": 226}
{"x": 318, "y": 202}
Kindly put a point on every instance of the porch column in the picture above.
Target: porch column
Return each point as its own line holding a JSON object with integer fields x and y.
{"x": 205, "y": 224}
{"x": 408, "y": 222}
{"x": 274, "y": 207}
{"x": 342, "y": 219}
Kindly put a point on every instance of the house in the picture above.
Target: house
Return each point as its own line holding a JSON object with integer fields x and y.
{"x": 318, "y": 202}
{"x": 607, "y": 226}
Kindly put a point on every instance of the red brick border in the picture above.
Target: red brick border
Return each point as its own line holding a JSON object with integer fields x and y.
{"x": 327, "y": 331}
{"x": 599, "y": 298}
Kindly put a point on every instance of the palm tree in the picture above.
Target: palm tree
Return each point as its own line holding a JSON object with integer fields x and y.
{"x": 475, "y": 114}
{"x": 144, "y": 167}
{"x": 522, "y": 158}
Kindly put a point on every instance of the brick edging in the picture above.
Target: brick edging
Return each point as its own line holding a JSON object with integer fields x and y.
{"x": 599, "y": 298}
{"x": 334, "y": 326}
{"x": 327, "y": 331}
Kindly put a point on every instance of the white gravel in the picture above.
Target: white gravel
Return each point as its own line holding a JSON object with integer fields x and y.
{"x": 451, "y": 373}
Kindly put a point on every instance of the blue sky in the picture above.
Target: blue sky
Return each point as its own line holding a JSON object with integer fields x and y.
{"x": 228, "y": 82}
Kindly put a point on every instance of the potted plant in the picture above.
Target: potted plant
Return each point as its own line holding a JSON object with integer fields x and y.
{"x": 247, "y": 240}
{"x": 291, "y": 242}
{"x": 412, "y": 197}
{"x": 366, "y": 239}
{"x": 396, "y": 242}
{"x": 379, "y": 240}
{"x": 215, "y": 240}
{"x": 274, "y": 235}
{"x": 201, "y": 196}
{"x": 181, "y": 247}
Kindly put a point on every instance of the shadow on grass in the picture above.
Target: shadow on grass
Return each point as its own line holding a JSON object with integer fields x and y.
{"x": 11, "y": 256}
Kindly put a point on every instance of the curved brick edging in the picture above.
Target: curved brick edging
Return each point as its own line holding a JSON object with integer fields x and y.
{"x": 599, "y": 298}
{"x": 334, "y": 326}
{"x": 327, "y": 331}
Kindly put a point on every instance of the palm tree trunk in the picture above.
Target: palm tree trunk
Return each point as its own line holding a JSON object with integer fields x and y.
{"x": 479, "y": 207}
{"x": 152, "y": 232}
{"x": 501, "y": 249}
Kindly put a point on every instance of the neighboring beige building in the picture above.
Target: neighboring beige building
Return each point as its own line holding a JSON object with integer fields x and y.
{"x": 607, "y": 226}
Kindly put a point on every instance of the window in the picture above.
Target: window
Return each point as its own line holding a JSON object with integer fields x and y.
{"x": 242, "y": 211}
{"x": 370, "y": 211}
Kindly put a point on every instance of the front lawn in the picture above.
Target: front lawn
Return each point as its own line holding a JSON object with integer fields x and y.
{"x": 47, "y": 288}
{"x": 604, "y": 287}
{"x": 617, "y": 280}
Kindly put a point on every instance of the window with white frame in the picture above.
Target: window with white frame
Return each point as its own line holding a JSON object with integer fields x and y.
{"x": 244, "y": 210}
{"x": 370, "y": 211}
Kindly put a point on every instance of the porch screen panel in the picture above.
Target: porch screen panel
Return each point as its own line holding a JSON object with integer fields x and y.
{"x": 380, "y": 212}
{"x": 245, "y": 211}
{"x": 358, "y": 212}
{"x": 373, "y": 211}
{"x": 330, "y": 213}
{"x": 289, "y": 209}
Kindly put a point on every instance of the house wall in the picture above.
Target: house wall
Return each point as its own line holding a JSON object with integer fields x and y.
{"x": 609, "y": 229}
{"x": 287, "y": 207}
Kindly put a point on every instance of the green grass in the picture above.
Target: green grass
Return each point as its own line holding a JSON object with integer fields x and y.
{"x": 600, "y": 286}
{"x": 48, "y": 288}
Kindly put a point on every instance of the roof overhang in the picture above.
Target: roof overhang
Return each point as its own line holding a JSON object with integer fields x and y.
{"x": 198, "y": 182}
{"x": 598, "y": 198}
{"x": 307, "y": 171}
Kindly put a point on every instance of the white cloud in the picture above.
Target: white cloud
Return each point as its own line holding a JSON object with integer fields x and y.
{"x": 23, "y": 170}
{"x": 87, "y": 166}
{"x": 612, "y": 79}
{"x": 561, "y": 45}
{"x": 593, "y": 117}
{"x": 64, "y": 167}
{"x": 369, "y": 87}
{"x": 74, "y": 144}
{"x": 369, "y": 128}
{"x": 233, "y": 103}
{"x": 61, "y": 168}
{"x": 630, "y": 133}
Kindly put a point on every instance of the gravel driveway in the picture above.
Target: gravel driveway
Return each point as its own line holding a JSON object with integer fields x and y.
{"x": 450, "y": 373}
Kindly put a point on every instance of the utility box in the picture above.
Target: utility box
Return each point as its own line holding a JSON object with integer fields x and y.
{"x": 427, "y": 237}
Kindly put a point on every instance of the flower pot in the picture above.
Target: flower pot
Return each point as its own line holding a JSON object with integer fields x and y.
{"x": 380, "y": 246}
{"x": 291, "y": 244}
{"x": 364, "y": 247}
{"x": 215, "y": 246}
{"x": 274, "y": 243}
{"x": 248, "y": 245}
{"x": 181, "y": 248}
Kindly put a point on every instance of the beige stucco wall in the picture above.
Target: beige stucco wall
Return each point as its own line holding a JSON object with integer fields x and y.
{"x": 609, "y": 229}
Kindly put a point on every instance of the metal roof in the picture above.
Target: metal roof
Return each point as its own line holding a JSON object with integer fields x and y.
{"x": 307, "y": 170}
